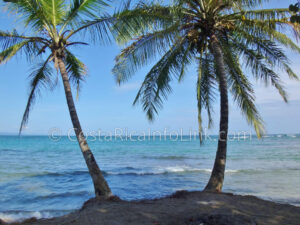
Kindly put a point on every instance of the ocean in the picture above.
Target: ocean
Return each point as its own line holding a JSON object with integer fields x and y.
{"x": 40, "y": 177}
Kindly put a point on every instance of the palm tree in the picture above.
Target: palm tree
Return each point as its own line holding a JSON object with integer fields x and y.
{"x": 228, "y": 40}
{"x": 54, "y": 27}
{"x": 294, "y": 8}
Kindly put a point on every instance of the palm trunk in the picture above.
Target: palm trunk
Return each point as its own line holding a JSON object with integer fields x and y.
{"x": 216, "y": 180}
{"x": 101, "y": 187}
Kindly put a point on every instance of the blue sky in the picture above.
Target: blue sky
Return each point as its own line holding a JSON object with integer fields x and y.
{"x": 106, "y": 106}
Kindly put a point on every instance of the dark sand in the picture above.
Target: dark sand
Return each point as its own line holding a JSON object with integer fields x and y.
{"x": 182, "y": 208}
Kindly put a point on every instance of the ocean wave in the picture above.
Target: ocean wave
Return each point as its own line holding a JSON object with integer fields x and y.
{"x": 267, "y": 136}
{"x": 168, "y": 157}
{"x": 131, "y": 171}
{"x": 62, "y": 195}
{"x": 43, "y": 174}
{"x": 9, "y": 150}
{"x": 18, "y": 216}
{"x": 166, "y": 170}
{"x": 66, "y": 173}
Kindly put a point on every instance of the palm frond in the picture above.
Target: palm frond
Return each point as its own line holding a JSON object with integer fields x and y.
{"x": 98, "y": 30}
{"x": 256, "y": 62}
{"x": 142, "y": 51}
{"x": 268, "y": 30}
{"x": 205, "y": 90}
{"x": 242, "y": 90}
{"x": 267, "y": 14}
{"x": 81, "y": 10}
{"x": 54, "y": 11}
{"x": 268, "y": 50}
{"x": 76, "y": 70}
{"x": 156, "y": 85}
{"x": 33, "y": 13}
{"x": 40, "y": 78}
{"x": 7, "y": 39}
{"x": 141, "y": 19}
{"x": 11, "y": 51}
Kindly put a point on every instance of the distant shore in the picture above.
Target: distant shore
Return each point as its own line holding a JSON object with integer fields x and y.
{"x": 181, "y": 208}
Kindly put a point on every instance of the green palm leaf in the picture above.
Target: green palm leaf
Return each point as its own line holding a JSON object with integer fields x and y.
{"x": 156, "y": 85}
{"x": 81, "y": 10}
{"x": 242, "y": 90}
{"x": 142, "y": 51}
{"x": 76, "y": 69}
{"x": 205, "y": 90}
{"x": 41, "y": 77}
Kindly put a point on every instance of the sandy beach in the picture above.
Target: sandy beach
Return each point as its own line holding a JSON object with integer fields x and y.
{"x": 181, "y": 208}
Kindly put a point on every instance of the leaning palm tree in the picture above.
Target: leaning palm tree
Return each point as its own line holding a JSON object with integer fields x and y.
{"x": 228, "y": 40}
{"x": 53, "y": 29}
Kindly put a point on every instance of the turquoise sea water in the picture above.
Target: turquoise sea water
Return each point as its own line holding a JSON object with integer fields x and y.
{"x": 43, "y": 178}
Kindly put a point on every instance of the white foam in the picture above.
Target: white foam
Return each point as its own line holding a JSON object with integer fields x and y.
{"x": 169, "y": 169}
{"x": 181, "y": 169}
{"x": 207, "y": 170}
{"x": 231, "y": 171}
{"x": 226, "y": 171}
{"x": 10, "y": 217}
{"x": 178, "y": 169}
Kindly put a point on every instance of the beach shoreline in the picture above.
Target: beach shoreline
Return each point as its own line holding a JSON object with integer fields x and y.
{"x": 181, "y": 208}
